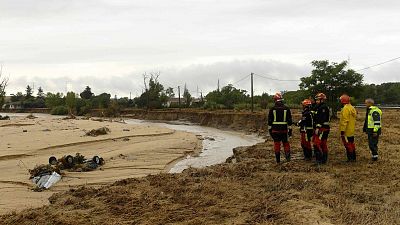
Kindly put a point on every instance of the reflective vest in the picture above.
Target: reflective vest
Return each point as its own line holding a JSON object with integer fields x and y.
{"x": 372, "y": 124}
{"x": 284, "y": 122}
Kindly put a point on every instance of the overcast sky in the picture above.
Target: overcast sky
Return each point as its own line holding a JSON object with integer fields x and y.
{"x": 108, "y": 44}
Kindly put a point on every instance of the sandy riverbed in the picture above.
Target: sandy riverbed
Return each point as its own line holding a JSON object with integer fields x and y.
{"x": 149, "y": 150}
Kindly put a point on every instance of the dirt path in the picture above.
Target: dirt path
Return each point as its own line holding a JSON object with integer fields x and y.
{"x": 129, "y": 151}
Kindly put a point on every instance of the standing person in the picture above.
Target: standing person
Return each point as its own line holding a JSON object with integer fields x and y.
{"x": 347, "y": 127}
{"x": 322, "y": 129}
{"x": 372, "y": 126}
{"x": 279, "y": 126}
{"x": 306, "y": 128}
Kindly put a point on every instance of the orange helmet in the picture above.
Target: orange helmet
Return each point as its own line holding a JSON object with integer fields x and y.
{"x": 345, "y": 99}
{"x": 306, "y": 102}
{"x": 278, "y": 97}
{"x": 320, "y": 96}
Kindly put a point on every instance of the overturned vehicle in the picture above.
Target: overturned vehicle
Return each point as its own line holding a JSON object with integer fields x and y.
{"x": 45, "y": 176}
{"x": 77, "y": 163}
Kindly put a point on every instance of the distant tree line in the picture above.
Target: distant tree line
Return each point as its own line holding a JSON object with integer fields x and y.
{"x": 333, "y": 79}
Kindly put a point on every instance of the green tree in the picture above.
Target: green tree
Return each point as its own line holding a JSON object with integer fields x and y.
{"x": 295, "y": 97}
{"x": 187, "y": 97}
{"x": 228, "y": 96}
{"x": 54, "y": 100}
{"x": 87, "y": 93}
{"x": 40, "y": 93}
{"x": 170, "y": 92}
{"x": 102, "y": 101}
{"x": 28, "y": 92}
{"x": 154, "y": 96}
{"x": 3, "y": 85}
{"x": 333, "y": 80}
{"x": 17, "y": 97}
{"x": 70, "y": 101}
{"x": 263, "y": 101}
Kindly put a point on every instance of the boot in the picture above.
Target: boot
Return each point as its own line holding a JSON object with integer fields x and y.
{"x": 287, "y": 156}
{"x": 308, "y": 155}
{"x": 349, "y": 156}
{"x": 305, "y": 153}
{"x": 324, "y": 157}
{"x": 354, "y": 156}
{"x": 278, "y": 157}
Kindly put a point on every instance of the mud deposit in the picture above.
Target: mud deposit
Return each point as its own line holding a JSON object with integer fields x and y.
{"x": 254, "y": 190}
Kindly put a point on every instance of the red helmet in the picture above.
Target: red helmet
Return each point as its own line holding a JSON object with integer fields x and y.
{"x": 306, "y": 102}
{"x": 345, "y": 99}
{"x": 278, "y": 97}
{"x": 320, "y": 96}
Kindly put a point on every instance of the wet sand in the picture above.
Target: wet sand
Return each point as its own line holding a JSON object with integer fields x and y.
{"x": 150, "y": 150}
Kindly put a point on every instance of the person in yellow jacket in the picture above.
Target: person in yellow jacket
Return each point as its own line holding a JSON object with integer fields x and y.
{"x": 347, "y": 127}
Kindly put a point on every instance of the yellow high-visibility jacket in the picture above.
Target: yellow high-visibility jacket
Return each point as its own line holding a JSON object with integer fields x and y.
{"x": 348, "y": 120}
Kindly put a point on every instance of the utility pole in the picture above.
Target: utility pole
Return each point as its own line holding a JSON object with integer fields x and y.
{"x": 252, "y": 94}
{"x": 179, "y": 96}
{"x": 130, "y": 95}
{"x": 218, "y": 85}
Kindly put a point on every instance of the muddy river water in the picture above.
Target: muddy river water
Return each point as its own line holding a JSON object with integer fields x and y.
{"x": 217, "y": 144}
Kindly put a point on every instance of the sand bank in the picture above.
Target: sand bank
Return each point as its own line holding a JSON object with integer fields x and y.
{"x": 129, "y": 151}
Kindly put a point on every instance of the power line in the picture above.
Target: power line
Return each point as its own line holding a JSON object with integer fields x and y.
{"x": 381, "y": 63}
{"x": 243, "y": 78}
{"x": 272, "y": 78}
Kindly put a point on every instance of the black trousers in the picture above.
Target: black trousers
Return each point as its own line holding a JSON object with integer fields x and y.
{"x": 373, "y": 143}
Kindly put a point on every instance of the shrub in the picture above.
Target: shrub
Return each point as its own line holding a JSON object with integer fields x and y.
{"x": 59, "y": 110}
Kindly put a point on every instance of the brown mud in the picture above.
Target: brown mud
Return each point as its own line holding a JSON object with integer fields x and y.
{"x": 251, "y": 189}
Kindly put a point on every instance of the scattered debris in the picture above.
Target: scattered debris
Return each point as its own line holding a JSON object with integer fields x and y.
{"x": 126, "y": 130}
{"x": 4, "y": 117}
{"x": 43, "y": 170}
{"x": 70, "y": 117}
{"x": 24, "y": 131}
{"x": 46, "y": 181}
{"x": 31, "y": 116}
{"x": 46, "y": 130}
{"x": 97, "y": 132}
{"x": 126, "y": 139}
{"x": 210, "y": 138}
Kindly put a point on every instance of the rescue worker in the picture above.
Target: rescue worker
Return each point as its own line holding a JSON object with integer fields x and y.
{"x": 313, "y": 107}
{"x": 372, "y": 126}
{"x": 322, "y": 128}
{"x": 306, "y": 129}
{"x": 279, "y": 126}
{"x": 347, "y": 127}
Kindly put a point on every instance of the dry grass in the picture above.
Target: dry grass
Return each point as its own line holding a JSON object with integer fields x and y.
{"x": 254, "y": 190}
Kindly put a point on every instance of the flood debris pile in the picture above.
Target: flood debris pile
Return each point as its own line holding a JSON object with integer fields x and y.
{"x": 4, "y": 117}
{"x": 31, "y": 116}
{"x": 77, "y": 163}
{"x": 99, "y": 131}
{"x": 45, "y": 176}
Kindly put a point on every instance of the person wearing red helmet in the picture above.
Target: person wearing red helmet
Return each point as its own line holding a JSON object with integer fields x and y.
{"x": 306, "y": 125}
{"x": 347, "y": 127}
{"x": 279, "y": 126}
{"x": 322, "y": 128}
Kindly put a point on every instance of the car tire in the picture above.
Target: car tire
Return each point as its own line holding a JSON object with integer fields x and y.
{"x": 96, "y": 160}
{"x": 53, "y": 160}
{"x": 69, "y": 160}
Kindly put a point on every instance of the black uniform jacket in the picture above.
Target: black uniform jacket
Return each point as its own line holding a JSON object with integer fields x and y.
{"x": 279, "y": 117}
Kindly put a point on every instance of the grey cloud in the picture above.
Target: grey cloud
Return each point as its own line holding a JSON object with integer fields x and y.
{"x": 41, "y": 36}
